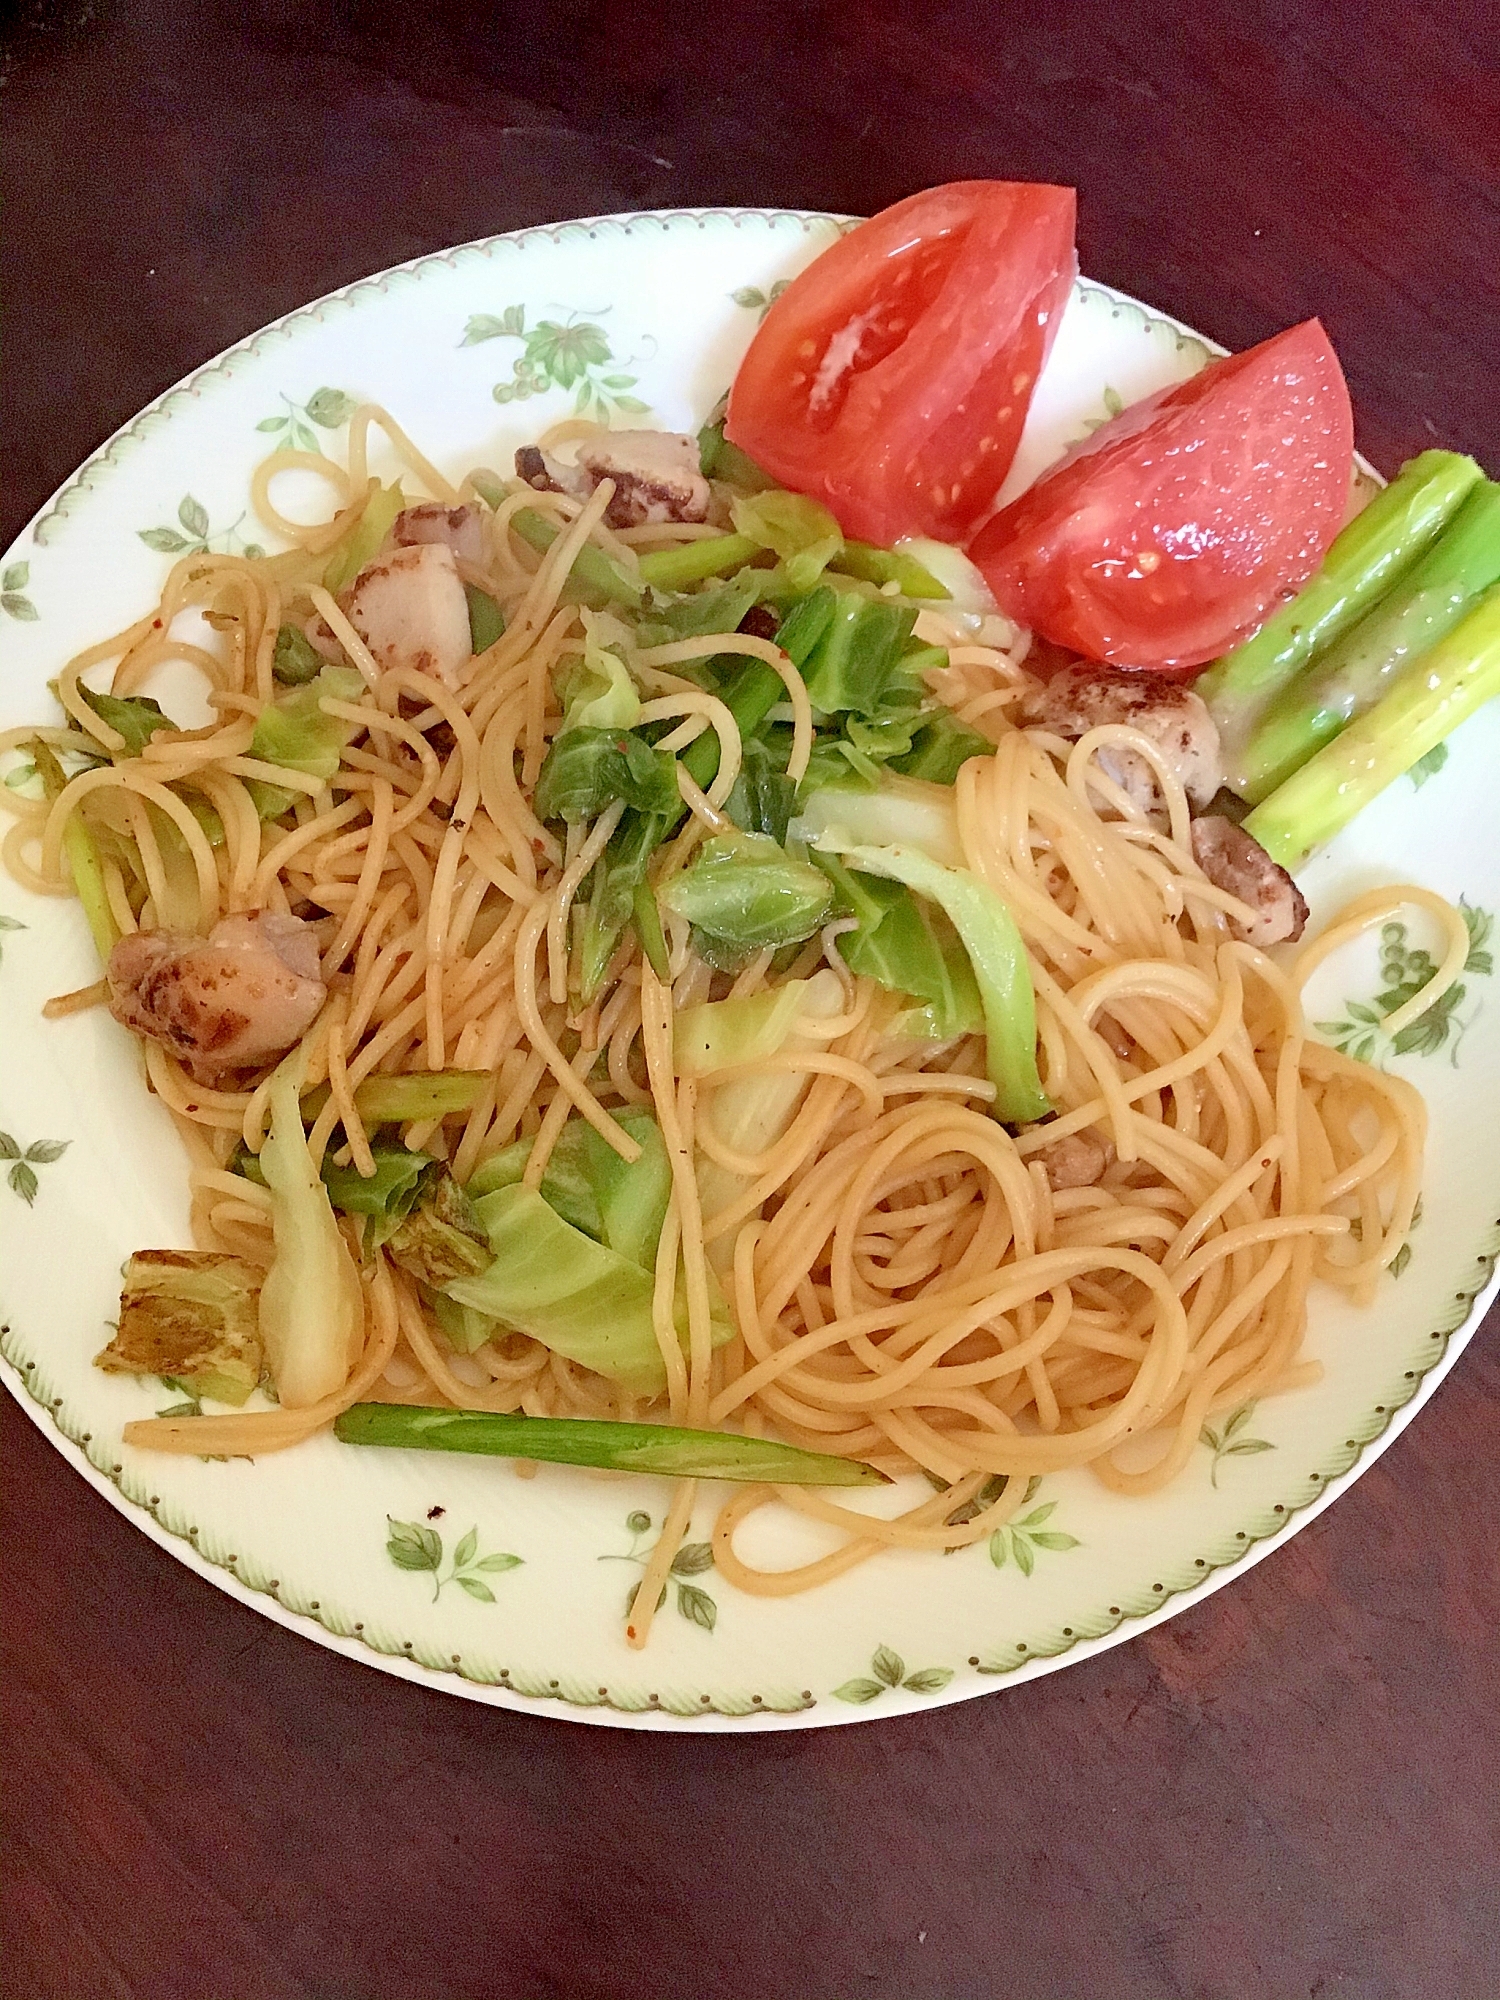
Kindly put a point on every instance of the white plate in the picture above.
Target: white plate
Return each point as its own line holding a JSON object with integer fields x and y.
{"x": 650, "y": 314}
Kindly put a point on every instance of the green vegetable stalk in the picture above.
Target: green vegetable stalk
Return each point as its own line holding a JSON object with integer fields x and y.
{"x": 653, "y": 1448}
{"x": 594, "y": 579}
{"x": 1434, "y": 694}
{"x": 719, "y": 459}
{"x": 486, "y": 619}
{"x": 1386, "y": 538}
{"x": 619, "y": 875}
{"x": 404, "y": 1100}
{"x": 695, "y": 562}
{"x": 1353, "y": 674}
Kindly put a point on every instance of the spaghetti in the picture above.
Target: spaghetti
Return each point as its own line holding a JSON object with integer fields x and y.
{"x": 905, "y": 1284}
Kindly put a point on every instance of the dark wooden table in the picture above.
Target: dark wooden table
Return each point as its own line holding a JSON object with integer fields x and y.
{"x": 1289, "y": 1791}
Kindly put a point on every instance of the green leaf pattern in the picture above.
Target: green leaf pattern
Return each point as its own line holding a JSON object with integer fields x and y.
{"x": 759, "y": 302}
{"x": 297, "y": 427}
{"x": 195, "y": 536}
{"x": 413, "y": 1545}
{"x": 1405, "y": 970}
{"x": 692, "y": 1559}
{"x": 1018, "y": 1541}
{"x": 1228, "y": 1440}
{"x": 1114, "y": 403}
{"x": 888, "y": 1670}
{"x": 25, "y": 1160}
{"x": 572, "y": 354}
{"x": 13, "y": 599}
{"x": 1428, "y": 766}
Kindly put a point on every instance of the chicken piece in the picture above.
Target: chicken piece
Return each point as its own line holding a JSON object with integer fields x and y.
{"x": 1084, "y": 697}
{"x": 1232, "y": 860}
{"x": 409, "y": 608}
{"x": 1076, "y": 1160}
{"x": 655, "y": 473}
{"x": 240, "y": 996}
{"x": 458, "y": 528}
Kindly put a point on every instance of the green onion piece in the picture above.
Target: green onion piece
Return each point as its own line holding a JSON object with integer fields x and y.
{"x": 486, "y": 619}
{"x": 611, "y": 904}
{"x": 490, "y": 487}
{"x": 882, "y": 566}
{"x": 662, "y": 1449}
{"x": 595, "y": 580}
{"x": 805, "y": 623}
{"x": 695, "y": 562}
{"x": 749, "y": 695}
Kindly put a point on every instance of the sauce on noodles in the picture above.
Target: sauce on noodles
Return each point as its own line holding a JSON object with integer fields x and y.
{"x": 906, "y": 1286}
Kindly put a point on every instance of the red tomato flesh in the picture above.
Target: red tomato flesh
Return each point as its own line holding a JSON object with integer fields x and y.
{"x": 1170, "y": 534}
{"x": 892, "y": 378}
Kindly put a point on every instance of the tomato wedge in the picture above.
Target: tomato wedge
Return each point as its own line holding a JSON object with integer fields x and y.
{"x": 892, "y": 378}
{"x": 1167, "y": 536}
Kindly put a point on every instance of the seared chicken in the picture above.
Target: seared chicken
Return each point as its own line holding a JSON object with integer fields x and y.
{"x": 1076, "y": 1160}
{"x": 1084, "y": 697}
{"x": 1232, "y": 860}
{"x": 240, "y": 996}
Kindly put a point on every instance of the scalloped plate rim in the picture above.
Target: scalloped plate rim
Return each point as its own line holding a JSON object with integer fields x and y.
{"x": 824, "y": 1712}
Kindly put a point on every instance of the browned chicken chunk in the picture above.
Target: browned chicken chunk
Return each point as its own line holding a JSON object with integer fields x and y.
{"x": 655, "y": 473}
{"x": 1084, "y": 697}
{"x": 1076, "y": 1160}
{"x": 240, "y": 996}
{"x": 1232, "y": 860}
